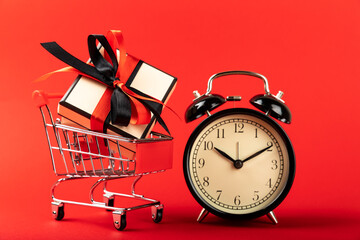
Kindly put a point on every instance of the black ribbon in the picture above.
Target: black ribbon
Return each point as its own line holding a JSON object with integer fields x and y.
{"x": 105, "y": 72}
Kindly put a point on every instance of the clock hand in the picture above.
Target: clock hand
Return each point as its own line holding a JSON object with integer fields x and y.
{"x": 237, "y": 150}
{"x": 257, "y": 153}
{"x": 224, "y": 154}
{"x": 237, "y": 163}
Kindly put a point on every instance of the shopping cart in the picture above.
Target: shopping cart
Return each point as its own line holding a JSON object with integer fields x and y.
{"x": 78, "y": 153}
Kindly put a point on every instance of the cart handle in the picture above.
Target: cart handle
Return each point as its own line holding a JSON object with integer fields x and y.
{"x": 41, "y": 98}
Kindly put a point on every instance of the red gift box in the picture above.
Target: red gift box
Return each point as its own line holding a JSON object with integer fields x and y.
{"x": 114, "y": 74}
{"x": 80, "y": 101}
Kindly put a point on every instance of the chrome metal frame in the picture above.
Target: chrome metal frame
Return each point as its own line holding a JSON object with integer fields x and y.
{"x": 253, "y": 74}
{"x": 105, "y": 162}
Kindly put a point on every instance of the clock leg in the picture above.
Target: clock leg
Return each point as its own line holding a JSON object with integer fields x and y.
{"x": 272, "y": 217}
{"x": 202, "y": 215}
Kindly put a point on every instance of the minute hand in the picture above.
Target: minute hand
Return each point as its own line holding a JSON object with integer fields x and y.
{"x": 257, "y": 153}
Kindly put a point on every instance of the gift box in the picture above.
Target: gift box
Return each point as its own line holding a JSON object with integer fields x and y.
{"x": 81, "y": 99}
{"x": 115, "y": 93}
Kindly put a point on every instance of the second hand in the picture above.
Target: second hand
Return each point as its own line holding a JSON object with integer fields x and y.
{"x": 237, "y": 150}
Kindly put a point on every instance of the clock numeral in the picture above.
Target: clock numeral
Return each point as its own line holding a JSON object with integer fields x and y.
{"x": 208, "y": 145}
{"x": 269, "y": 183}
{"x": 219, "y": 192}
{"x": 201, "y": 162}
{"x": 237, "y": 200}
{"x": 220, "y": 133}
{"x": 256, "y": 196}
{"x": 274, "y": 166}
{"x": 269, "y": 144}
{"x": 206, "y": 182}
{"x": 256, "y": 133}
{"x": 239, "y": 127}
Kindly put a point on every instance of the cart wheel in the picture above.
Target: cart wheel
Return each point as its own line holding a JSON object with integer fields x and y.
{"x": 119, "y": 218}
{"x": 157, "y": 213}
{"x": 58, "y": 211}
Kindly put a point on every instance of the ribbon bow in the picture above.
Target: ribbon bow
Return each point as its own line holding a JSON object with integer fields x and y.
{"x": 127, "y": 106}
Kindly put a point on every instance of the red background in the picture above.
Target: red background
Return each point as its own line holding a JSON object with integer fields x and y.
{"x": 308, "y": 49}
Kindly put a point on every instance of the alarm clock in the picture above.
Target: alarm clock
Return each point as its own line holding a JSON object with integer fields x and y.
{"x": 239, "y": 163}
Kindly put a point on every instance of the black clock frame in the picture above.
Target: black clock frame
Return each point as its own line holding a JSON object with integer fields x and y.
{"x": 282, "y": 134}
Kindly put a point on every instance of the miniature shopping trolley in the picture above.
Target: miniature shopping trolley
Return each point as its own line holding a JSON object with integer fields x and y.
{"x": 78, "y": 153}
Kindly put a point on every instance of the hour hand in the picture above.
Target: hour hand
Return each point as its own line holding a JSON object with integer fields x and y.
{"x": 237, "y": 163}
{"x": 224, "y": 154}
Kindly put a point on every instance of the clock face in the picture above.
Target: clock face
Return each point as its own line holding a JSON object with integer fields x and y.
{"x": 239, "y": 162}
